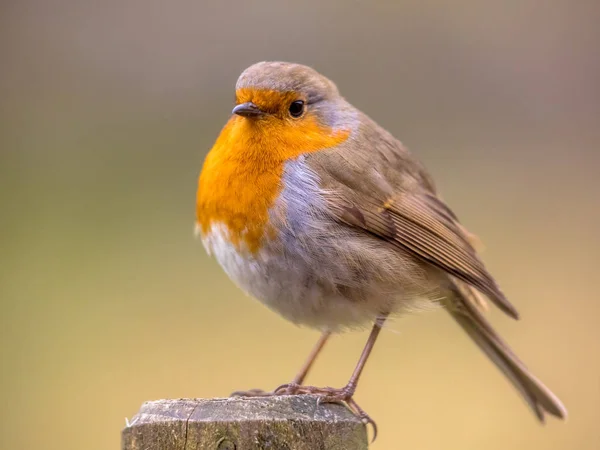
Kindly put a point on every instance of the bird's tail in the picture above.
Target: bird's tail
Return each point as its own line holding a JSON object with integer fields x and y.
{"x": 465, "y": 309}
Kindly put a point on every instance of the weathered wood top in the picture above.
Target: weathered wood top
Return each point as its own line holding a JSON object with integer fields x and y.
{"x": 278, "y": 423}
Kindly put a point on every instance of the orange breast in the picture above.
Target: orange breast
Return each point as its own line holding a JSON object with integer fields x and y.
{"x": 241, "y": 177}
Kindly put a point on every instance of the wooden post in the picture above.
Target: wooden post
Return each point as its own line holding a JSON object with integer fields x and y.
{"x": 294, "y": 422}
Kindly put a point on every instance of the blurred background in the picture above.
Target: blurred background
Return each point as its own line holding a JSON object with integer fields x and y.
{"x": 107, "y": 110}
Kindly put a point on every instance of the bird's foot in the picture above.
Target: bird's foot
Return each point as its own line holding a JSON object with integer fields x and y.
{"x": 326, "y": 395}
{"x": 330, "y": 395}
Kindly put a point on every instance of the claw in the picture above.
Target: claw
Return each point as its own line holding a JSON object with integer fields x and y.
{"x": 363, "y": 416}
{"x": 374, "y": 427}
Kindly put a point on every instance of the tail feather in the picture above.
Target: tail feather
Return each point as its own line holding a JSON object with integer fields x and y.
{"x": 464, "y": 309}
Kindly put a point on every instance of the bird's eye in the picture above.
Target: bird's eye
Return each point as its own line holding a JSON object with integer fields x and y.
{"x": 297, "y": 108}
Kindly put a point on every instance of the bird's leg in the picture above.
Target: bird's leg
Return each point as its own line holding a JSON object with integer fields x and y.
{"x": 289, "y": 388}
{"x": 301, "y": 375}
{"x": 345, "y": 394}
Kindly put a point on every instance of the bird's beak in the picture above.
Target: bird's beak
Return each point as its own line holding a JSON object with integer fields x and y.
{"x": 247, "y": 109}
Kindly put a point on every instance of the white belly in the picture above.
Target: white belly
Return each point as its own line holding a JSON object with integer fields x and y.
{"x": 286, "y": 285}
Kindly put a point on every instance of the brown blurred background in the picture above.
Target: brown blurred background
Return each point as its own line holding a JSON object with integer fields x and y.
{"x": 106, "y": 112}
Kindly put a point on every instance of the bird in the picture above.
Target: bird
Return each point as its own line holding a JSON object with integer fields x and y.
{"x": 315, "y": 210}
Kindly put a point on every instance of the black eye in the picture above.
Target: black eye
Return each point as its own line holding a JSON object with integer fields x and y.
{"x": 297, "y": 108}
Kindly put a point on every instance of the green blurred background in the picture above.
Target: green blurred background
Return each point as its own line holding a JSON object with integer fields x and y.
{"x": 106, "y": 112}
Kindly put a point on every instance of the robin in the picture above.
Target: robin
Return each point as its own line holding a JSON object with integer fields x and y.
{"x": 322, "y": 215}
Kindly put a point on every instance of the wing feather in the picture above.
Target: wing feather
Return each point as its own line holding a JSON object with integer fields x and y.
{"x": 423, "y": 225}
